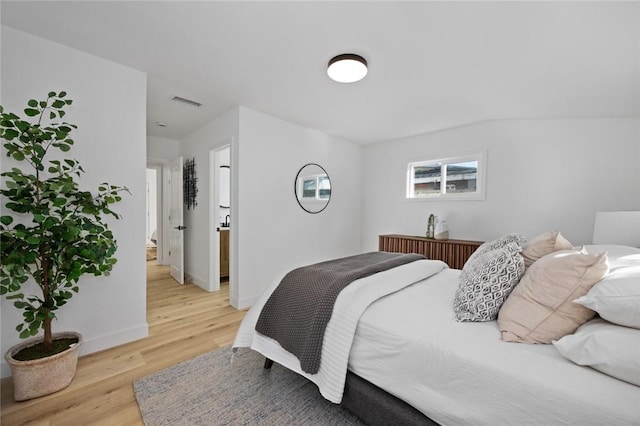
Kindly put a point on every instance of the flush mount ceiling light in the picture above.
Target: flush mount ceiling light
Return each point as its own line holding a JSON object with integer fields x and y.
{"x": 347, "y": 68}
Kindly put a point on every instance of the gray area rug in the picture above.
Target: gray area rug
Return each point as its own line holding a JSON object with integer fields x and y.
{"x": 210, "y": 390}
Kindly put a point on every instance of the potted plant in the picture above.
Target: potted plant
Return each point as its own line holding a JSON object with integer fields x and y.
{"x": 51, "y": 234}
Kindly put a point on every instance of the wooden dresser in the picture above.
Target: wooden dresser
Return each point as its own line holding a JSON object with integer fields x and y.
{"x": 453, "y": 252}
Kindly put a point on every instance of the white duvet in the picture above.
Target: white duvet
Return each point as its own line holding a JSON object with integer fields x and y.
{"x": 349, "y": 306}
{"x": 461, "y": 373}
{"x": 409, "y": 344}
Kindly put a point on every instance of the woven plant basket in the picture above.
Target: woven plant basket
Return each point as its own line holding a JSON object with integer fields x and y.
{"x": 39, "y": 377}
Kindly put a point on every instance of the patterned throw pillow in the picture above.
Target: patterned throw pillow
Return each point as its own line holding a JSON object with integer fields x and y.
{"x": 486, "y": 282}
{"x": 498, "y": 243}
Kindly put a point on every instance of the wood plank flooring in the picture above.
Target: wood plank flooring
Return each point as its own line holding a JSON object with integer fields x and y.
{"x": 184, "y": 321}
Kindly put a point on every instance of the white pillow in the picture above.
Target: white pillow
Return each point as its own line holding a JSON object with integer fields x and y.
{"x": 611, "y": 349}
{"x": 624, "y": 261}
{"x": 617, "y": 297}
{"x": 616, "y": 300}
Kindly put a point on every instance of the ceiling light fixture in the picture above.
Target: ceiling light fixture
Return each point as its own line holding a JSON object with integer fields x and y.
{"x": 347, "y": 68}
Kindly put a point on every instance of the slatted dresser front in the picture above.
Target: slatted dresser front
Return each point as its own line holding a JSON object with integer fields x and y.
{"x": 453, "y": 252}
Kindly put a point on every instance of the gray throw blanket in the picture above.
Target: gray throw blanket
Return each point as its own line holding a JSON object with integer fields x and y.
{"x": 299, "y": 309}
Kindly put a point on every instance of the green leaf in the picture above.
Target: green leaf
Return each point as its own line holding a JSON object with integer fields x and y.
{"x": 62, "y": 94}
{"x": 51, "y": 94}
{"x": 6, "y": 220}
{"x": 10, "y": 134}
{"x": 33, "y": 240}
{"x": 15, "y": 296}
{"x": 18, "y": 156}
{"x": 31, "y": 112}
{"x": 23, "y": 126}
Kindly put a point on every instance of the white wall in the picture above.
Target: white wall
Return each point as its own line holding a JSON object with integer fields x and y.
{"x": 273, "y": 233}
{"x": 270, "y": 233}
{"x": 542, "y": 175}
{"x": 198, "y": 144}
{"x": 109, "y": 108}
{"x": 161, "y": 150}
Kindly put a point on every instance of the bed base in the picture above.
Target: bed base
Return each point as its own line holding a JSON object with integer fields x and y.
{"x": 374, "y": 406}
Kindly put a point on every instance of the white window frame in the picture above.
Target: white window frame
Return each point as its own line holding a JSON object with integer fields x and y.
{"x": 316, "y": 196}
{"x": 443, "y": 195}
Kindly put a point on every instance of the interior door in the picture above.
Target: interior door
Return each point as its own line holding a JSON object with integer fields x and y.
{"x": 176, "y": 227}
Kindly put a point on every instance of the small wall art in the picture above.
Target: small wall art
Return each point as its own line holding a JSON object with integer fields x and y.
{"x": 190, "y": 187}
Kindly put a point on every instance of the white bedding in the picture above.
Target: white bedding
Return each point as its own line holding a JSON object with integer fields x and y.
{"x": 351, "y": 303}
{"x": 409, "y": 344}
{"x": 462, "y": 373}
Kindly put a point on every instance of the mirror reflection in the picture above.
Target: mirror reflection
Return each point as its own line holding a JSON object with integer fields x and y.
{"x": 225, "y": 186}
{"x": 313, "y": 188}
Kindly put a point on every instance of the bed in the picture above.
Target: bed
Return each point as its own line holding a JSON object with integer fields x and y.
{"x": 403, "y": 349}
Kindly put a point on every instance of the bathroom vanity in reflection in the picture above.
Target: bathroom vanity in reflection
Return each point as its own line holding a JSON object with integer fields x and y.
{"x": 224, "y": 252}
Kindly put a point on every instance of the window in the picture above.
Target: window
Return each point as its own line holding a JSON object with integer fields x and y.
{"x": 316, "y": 187}
{"x": 456, "y": 178}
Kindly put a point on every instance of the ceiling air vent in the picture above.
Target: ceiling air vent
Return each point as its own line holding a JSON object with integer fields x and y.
{"x": 186, "y": 101}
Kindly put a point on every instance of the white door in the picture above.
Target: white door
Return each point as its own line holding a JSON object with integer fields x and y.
{"x": 176, "y": 228}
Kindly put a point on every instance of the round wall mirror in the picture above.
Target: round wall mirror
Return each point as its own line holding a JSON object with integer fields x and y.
{"x": 312, "y": 188}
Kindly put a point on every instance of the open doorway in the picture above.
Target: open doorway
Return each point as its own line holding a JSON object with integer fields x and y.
{"x": 220, "y": 216}
{"x": 154, "y": 215}
{"x": 151, "y": 242}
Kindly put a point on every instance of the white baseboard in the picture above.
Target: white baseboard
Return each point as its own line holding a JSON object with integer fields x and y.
{"x": 107, "y": 341}
{"x": 245, "y": 303}
{"x": 204, "y": 284}
{"x": 99, "y": 343}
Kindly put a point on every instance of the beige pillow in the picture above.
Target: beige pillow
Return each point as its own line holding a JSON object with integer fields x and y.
{"x": 541, "y": 308}
{"x": 542, "y": 245}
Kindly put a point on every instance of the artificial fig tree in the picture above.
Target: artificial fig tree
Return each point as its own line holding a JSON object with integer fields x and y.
{"x": 51, "y": 231}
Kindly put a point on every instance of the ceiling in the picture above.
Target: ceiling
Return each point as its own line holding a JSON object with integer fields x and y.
{"x": 432, "y": 65}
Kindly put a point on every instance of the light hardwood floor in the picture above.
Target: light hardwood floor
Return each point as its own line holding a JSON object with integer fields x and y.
{"x": 184, "y": 321}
